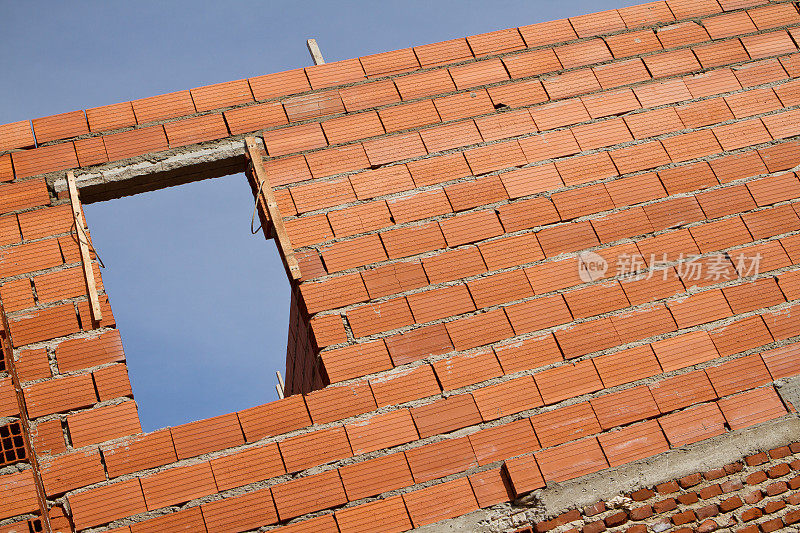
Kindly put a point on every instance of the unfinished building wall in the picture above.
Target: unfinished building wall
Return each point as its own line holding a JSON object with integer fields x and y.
{"x": 539, "y": 269}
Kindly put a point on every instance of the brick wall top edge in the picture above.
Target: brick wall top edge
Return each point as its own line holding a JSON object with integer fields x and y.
{"x": 282, "y": 84}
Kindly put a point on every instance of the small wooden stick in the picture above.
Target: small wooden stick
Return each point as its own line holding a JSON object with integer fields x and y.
{"x": 316, "y": 54}
{"x": 83, "y": 244}
{"x": 256, "y": 154}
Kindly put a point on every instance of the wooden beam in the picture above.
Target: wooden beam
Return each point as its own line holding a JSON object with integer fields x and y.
{"x": 316, "y": 53}
{"x": 83, "y": 244}
{"x": 256, "y": 154}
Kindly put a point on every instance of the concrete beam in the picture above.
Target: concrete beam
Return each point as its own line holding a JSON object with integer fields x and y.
{"x": 156, "y": 171}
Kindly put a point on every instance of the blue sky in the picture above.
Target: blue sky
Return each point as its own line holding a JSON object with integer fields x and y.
{"x": 201, "y": 303}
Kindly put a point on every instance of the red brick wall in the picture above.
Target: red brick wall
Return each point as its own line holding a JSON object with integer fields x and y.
{"x": 437, "y": 199}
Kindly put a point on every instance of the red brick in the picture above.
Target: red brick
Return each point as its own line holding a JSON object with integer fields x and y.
{"x": 60, "y": 395}
{"x": 203, "y": 436}
{"x": 103, "y": 423}
{"x": 565, "y": 424}
{"x": 633, "y": 442}
{"x": 308, "y": 494}
{"x": 375, "y": 476}
{"x": 759, "y": 72}
{"x": 768, "y": 44}
{"x": 597, "y": 23}
{"x": 336, "y": 73}
{"x": 279, "y": 84}
{"x": 111, "y": 117}
{"x": 195, "y": 130}
{"x": 504, "y": 441}
{"x": 752, "y": 407}
{"x": 381, "y": 431}
{"x": 720, "y": 53}
{"x": 409, "y": 384}
{"x": 61, "y": 126}
{"x": 610, "y": 103}
{"x": 627, "y": 365}
{"x": 596, "y": 299}
{"x": 480, "y": 329}
{"x": 255, "y": 117}
{"x": 532, "y": 63}
{"x": 782, "y": 362}
{"x": 665, "y": 64}
{"x": 390, "y": 515}
{"x": 373, "y": 94}
{"x": 646, "y": 14}
{"x": 557, "y": 114}
{"x": 135, "y": 142}
{"x": 478, "y": 73}
{"x": 622, "y": 408}
{"x": 633, "y": 43}
{"x": 400, "y": 117}
{"x": 72, "y": 470}
{"x": 353, "y": 253}
{"x": 440, "y": 459}
{"x": 539, "y": 313}
{"x": 394, "y": 278}
{"x": 490, "y": 487}
{"x": 419, "y": 343}
{"x": 455, "y": 499}
{"x": 221, "y": 95}
{"x": 378, "y": 317}
{"x": 93, "y": 151}
{"x": 587, "y": 337}
{"x": 511, "y": 251}
{"x": 319, "y": 104}
{"x": 693, "y": 424}
{"x": 463, "y": 105}
{"x": 467, "y": 369}
{"x": 16, "y": 135}
{"x": 524, "y": 474}
{"x": 445, "y": 415}
{"x": 621, "y": 73}
{"x": 528, "y": 354}
{"x": 453, "y": 135}
{"x": 495, "y": 42}
{"x": 240, "y": 512}
{"x": 104, "y": 504}
{"x": 112, "y": 382}
{"x": 355, "y": 360}
{"x": 580, "y": 377}
{"x": 163, "y": 106}
{"x": 547, "y": 32}
{"x": 44, "y": 159}
{"x": 139, "y": 453}
{"x": 509, "y": 397}
{"x": 682, "y": 390}
{"x": 547, "y": 145}
{"x": 389, "y": 62}
{"x": 76, "y": 354}
{"x": 774, "y": 221}
{"x": 500, "y": 288}
{"x": 8, "y": 398}
{"x": 571, "y": 460}
{"x": 773, "y": 16}
{"x": 639, "y": 157}
{"x": 428, "y": 83}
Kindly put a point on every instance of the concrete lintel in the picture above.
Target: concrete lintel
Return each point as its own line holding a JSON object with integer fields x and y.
{"x": 156, "y": 171}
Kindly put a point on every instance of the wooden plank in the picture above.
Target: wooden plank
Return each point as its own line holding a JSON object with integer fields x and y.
{"x": 256, "y": 154}
{"x": 83, "y": 244}
{"x": 316, "y": 53}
